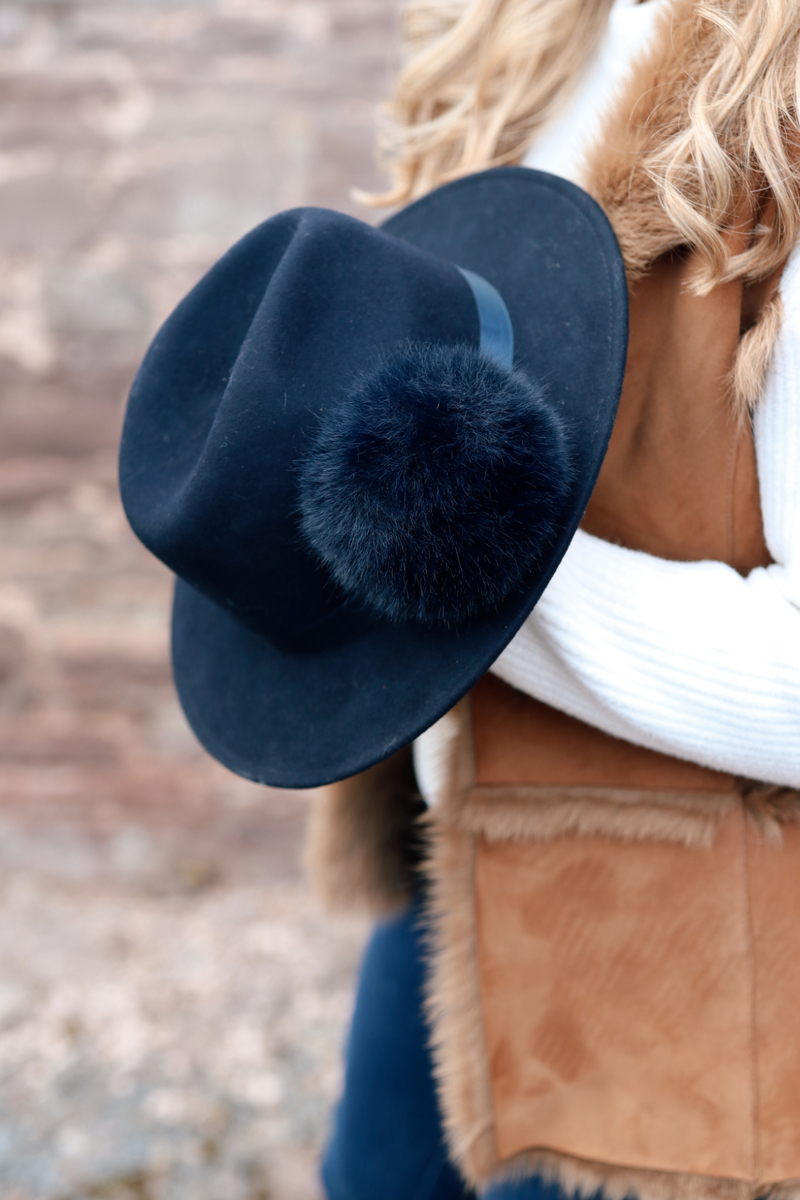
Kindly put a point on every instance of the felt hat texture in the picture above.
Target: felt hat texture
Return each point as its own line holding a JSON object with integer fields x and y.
{"x": 362, "y": 501}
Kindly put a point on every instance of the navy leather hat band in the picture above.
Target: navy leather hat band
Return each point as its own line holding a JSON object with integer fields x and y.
{"x": 497, "y": 332}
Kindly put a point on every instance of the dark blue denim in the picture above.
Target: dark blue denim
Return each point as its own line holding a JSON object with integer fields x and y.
{"x": 387, "y": 1141}
{"x": 526, "y": 1189}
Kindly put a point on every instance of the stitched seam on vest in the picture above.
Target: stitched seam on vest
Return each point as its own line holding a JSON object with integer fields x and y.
{"x": 754, "y": 1089}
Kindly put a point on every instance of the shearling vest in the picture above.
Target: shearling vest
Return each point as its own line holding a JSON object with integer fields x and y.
{"x": 615, "y": 975}
{"x": 616, "y": 986}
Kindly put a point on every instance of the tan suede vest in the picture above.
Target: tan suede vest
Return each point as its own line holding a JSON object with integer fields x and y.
{"x": 614, "y": 981}
{"x": 635, "y": 917}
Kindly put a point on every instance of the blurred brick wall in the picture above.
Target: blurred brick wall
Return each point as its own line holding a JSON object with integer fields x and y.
{"x": 137, "y": 142}
{"x": 138, "y": 139}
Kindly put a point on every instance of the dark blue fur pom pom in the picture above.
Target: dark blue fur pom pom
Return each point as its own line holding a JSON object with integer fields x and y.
{"x": 430, "y": 492}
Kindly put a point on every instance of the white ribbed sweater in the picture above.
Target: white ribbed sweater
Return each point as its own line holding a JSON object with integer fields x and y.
{"x": 687, "y": 658}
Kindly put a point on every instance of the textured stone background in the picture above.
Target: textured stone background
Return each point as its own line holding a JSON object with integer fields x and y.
{"x": 171, "y": 1004}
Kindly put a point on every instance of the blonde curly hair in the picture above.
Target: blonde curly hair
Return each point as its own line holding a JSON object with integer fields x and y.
{"x": 481, "y": 77}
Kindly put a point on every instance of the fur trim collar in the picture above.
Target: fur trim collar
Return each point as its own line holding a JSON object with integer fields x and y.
{"x": 651, "y": 109}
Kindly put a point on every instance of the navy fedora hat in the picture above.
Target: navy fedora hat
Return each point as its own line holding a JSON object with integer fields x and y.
{"x": 364, "y": 452}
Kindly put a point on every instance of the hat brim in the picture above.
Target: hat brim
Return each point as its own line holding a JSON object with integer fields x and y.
{"x": 302, "y": 719}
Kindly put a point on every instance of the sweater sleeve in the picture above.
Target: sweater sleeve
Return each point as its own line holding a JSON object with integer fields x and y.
{"x": 688, "y": 658}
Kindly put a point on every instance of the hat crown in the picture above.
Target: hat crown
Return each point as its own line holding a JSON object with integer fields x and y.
{"x": 231, "y": 391}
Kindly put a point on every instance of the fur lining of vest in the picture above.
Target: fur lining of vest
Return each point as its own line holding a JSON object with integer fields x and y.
{"x": 363, "y": 843}
{"x": 650, "y": 110}
{"x": 623, "y": 814}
